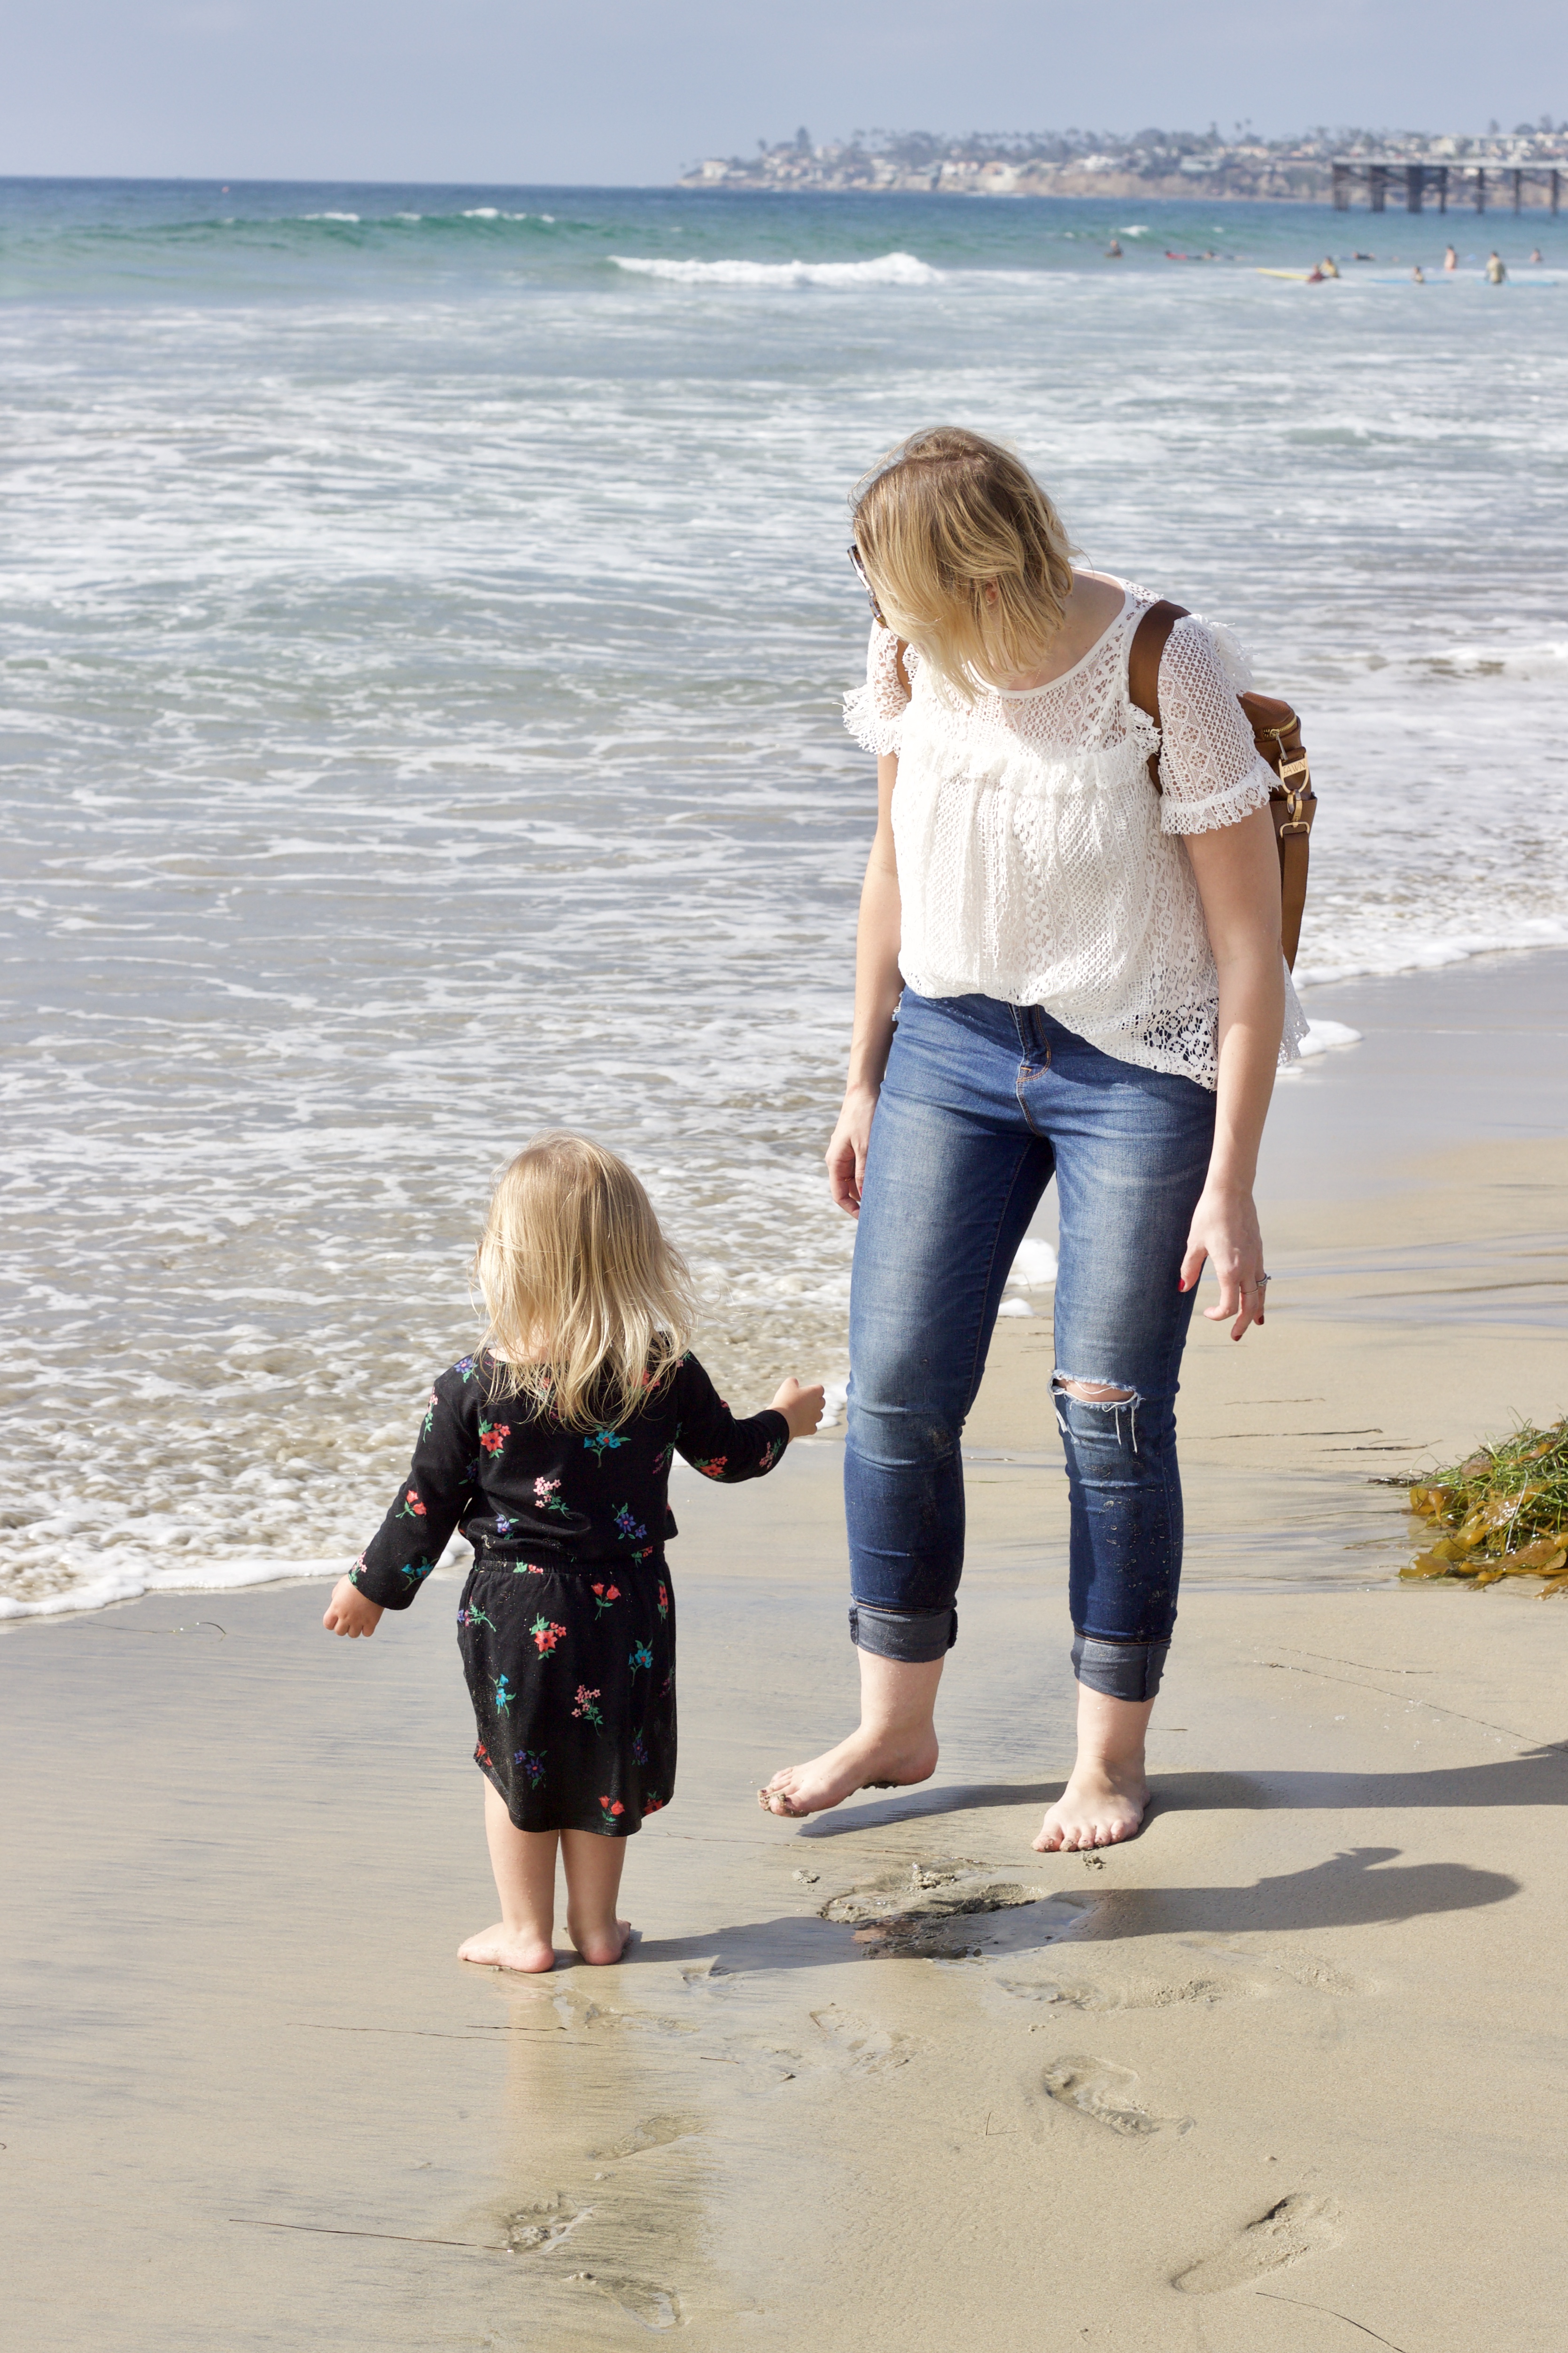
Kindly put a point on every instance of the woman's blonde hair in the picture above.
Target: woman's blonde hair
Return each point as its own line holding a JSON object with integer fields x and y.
{"x": 941, "y": 519}
{"x": 589, "y": 1307}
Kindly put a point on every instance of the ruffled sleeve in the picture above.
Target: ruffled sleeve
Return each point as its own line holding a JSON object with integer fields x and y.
{"x": 874, "y": 714}
{"x": 1211, "y": 770}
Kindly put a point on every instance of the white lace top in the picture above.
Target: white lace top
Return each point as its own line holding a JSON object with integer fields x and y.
{"x": 1037, "y": 864}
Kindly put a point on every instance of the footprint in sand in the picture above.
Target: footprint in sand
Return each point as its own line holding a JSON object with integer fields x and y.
{"x": 655, "y": 2308}
{"x": 653, "y": 2132}
{"x": 1297, "y": 2226}
{"x": 862, "y": 2050}
{"x": 1147, "y": 1993}
{"x": 1108, "y": 2096}
{"x": 536, "y": 2230}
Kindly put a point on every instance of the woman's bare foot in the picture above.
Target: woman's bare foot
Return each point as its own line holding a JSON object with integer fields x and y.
{"x": 864, "y": 1761}
{"x": 1107, "y": 1798}
{"x": 895, "y": 1745}
{"x": 501, "y": 1947}
{"x": 601, "y": 1945}
{"x": 1098, "y": 1807}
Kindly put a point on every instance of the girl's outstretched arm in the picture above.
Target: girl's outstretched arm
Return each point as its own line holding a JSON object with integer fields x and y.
{"x": 723, "y": 1445}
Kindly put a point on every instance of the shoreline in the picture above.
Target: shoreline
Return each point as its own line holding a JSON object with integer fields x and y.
{"x": 1479, "y": 1032}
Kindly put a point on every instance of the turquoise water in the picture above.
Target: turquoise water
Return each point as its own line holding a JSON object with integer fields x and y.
{"x": 425, "y": 633}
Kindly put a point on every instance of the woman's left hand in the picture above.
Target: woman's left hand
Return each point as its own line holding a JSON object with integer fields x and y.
{"x": 1224, "y": 1230}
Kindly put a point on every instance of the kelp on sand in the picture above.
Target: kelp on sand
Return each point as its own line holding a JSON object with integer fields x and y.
{"x": 1503, "y": 1512}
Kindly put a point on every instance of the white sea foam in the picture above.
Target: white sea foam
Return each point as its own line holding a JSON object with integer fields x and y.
{"x": 1324, "y": 1037}
{"x": 887, "y": 270}
{"x": 1034, "y": 1266}
{"x": 331, "y": 216}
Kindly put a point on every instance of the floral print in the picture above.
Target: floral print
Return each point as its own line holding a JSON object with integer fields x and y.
{"x": 547, "y": 1497}
{"x": 567, "y": 1620}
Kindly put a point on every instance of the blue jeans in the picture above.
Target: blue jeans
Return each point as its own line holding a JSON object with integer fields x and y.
{"x": 983, "y": 1103}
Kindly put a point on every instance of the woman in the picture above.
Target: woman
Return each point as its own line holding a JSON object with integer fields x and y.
{"x": 1060, "y": 972}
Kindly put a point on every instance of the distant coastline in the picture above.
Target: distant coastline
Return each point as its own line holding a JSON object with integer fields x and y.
{"x": 1149, "y": 164}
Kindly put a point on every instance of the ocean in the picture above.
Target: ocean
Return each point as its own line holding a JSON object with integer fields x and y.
{"x": 426, "y": 613}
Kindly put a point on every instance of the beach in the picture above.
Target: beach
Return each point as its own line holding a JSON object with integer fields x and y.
{"x": 1283, "y": 2072}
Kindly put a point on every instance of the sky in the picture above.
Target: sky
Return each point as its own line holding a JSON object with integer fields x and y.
{"x": 623, "y": 91}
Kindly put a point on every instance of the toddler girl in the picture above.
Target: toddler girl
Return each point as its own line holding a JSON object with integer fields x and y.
{"x": 550, "y": 1450}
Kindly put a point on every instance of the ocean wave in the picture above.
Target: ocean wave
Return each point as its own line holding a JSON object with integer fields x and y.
{"x": 131, "y": 1584}
{"x": 887, "y": 270}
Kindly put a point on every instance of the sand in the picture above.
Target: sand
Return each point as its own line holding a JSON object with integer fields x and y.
{"x": 1283, "y": 2073}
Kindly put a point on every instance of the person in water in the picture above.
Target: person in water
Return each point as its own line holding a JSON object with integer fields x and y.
{"x": 1329, "y": 267}
{"x": 1419, "y": 276}
{"x": 1063, "y": 973}
{"x": 1114, "y": 250}
{"x": 551, "y": 1448}
{"x": 1450, "y": 258}
{"x": 1497, "y": 269}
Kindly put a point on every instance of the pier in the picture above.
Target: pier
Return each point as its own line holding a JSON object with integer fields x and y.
{"x": 1441, "y": 179}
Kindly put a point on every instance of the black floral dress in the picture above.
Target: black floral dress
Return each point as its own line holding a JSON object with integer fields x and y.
{"x": 567, "y": 1620}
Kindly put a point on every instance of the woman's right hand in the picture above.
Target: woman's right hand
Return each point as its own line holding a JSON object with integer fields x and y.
{"x": 846, "y": 1148}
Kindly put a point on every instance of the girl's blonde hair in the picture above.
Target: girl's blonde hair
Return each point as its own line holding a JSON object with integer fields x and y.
{"x": 589, "y": 1307}
{"x": 941, "y": 519}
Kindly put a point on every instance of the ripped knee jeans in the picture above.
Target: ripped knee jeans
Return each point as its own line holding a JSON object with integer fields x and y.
{"x": 984, "y": 1104}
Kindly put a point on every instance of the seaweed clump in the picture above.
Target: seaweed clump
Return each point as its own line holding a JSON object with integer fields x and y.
{"x": 1503, "y": 1512}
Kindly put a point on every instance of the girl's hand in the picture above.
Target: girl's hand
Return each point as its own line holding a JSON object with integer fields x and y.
{"x": 1224, "y": 1230}
{"x": 802, "y": 1409}
{"x": 348, "y": 1611}
{"x": 847, "y": 1150}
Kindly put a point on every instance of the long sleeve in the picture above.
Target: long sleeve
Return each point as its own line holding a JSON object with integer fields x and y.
{"x": 1211, "y": 770}
{"x": 429, "y": 1502}
{"x": 717, "y": 1443}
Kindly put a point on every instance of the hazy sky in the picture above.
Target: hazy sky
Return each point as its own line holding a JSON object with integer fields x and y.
{"x": 608, "y": 91}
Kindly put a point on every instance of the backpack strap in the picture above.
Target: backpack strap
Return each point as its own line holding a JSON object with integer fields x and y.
{"x": 1143, "y": 658}
{"x": 1276, "y": 731}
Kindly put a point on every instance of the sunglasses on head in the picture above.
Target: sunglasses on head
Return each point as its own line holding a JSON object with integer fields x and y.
{"x": 853, "y": 554}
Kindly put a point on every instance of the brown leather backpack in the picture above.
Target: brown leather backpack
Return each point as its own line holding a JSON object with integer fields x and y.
{"x": 1276, "y": 731}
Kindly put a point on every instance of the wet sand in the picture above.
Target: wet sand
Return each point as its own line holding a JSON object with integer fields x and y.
{"x": 1282, "y": 2074}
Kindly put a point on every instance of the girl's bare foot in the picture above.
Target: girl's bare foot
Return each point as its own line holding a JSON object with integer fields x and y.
{"x": 501, "y": 1947}
{"x": 601, "y": 1945}
{"x": 868, "y": 1760}
{"x": 1099, "y": 1806}
{"x": 1106, "y": 1799}
{"x": 895, "y": 1745}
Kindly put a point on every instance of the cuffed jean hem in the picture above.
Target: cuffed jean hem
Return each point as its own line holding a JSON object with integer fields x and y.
{"x": 914, "y": 1637}
{"x": 1120, "y": 1670}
